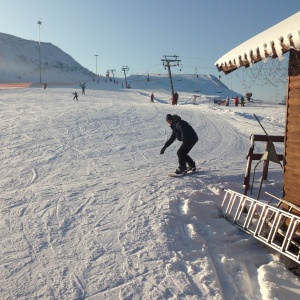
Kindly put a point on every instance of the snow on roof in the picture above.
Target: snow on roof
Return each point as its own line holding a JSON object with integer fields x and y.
{"x": 273, "y": 42}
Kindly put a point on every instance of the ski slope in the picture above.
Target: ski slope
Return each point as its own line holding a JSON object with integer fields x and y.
{"x": 87, "y": 210}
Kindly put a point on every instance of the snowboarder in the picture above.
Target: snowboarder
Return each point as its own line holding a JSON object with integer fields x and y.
{"x": 185, "y": 133}
{"x": 242, "y": 101}
{"x": 152, "y": 98}
{"x": 227, "y": 101}
{"x": 176, "y": 98}
{"x": 173, "y": 99}
{"x": 75, "y": 96}
{"x": 236, "y": 101}
{"x": 83, "y": 88}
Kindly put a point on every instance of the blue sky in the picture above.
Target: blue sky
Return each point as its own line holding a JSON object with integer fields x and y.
{"x": 137, "y": 33}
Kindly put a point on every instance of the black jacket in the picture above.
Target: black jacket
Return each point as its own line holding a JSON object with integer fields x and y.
{"x": 182, "y": 131}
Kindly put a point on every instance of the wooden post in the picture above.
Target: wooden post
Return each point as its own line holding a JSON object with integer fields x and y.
{"x": 266, "y": 165}
{"x": 248, "y": 168}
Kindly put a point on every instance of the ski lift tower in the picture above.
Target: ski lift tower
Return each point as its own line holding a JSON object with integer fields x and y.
{"x": 168, "y": 62}
{"x": 125, "y": 69}
{"x": 40, "y": 23}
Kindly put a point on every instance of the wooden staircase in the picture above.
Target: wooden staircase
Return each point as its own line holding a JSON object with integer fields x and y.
{"x": 267, "y": 222}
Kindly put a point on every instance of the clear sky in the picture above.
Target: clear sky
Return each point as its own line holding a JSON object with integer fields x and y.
{"x": 138, "y": 33}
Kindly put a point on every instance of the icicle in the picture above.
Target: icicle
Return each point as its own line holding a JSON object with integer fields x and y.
{"x": 269, "y": 48}
{"x": 287, "y": 41}
{"x": 250, "y": 58}
{"x": 296, "y": 39}
{"x": 262, "y": 51}
{"x": 278, "y": 48}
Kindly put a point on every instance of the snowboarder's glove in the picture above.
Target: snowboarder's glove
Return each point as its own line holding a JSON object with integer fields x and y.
{"x": 162, "y": 151}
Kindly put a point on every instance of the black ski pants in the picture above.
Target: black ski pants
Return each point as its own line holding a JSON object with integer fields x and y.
{"x": 182, "y": 153}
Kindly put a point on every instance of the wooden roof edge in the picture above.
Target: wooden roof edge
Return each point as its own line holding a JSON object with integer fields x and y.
{"x": 272, "y": 43}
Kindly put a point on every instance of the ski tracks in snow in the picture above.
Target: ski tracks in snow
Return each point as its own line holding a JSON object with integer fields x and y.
{"x": 198, "y": 268}
{"x": 87, "y": 211}
{"x": 197, "y": 264}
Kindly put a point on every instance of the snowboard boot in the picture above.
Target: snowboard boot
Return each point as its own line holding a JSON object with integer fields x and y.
{"x": 192, "y": 167}
{"x": 180, "y": 171}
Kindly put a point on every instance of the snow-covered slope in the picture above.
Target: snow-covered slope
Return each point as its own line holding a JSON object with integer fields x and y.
{"x": 19, "y": 62}
{"x": 203, "y": 84}
{"x": 87, "y": 210}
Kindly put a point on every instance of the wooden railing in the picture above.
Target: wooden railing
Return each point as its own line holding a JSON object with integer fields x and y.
{"x": 257, "y": 156}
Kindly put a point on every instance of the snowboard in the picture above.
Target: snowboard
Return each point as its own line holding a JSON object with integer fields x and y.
{"x": 183, "y": 174}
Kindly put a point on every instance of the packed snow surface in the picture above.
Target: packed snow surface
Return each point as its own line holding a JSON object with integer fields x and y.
{"x": 87, "y": 210}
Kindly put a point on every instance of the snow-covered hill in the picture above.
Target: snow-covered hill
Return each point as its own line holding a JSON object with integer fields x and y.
{"x": 19, "y": 62}
{"x": 204, "y": 84}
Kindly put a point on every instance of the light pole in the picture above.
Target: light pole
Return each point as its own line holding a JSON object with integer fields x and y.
{"x": 39, "y": 23}
{"x": 96, "y": 64}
